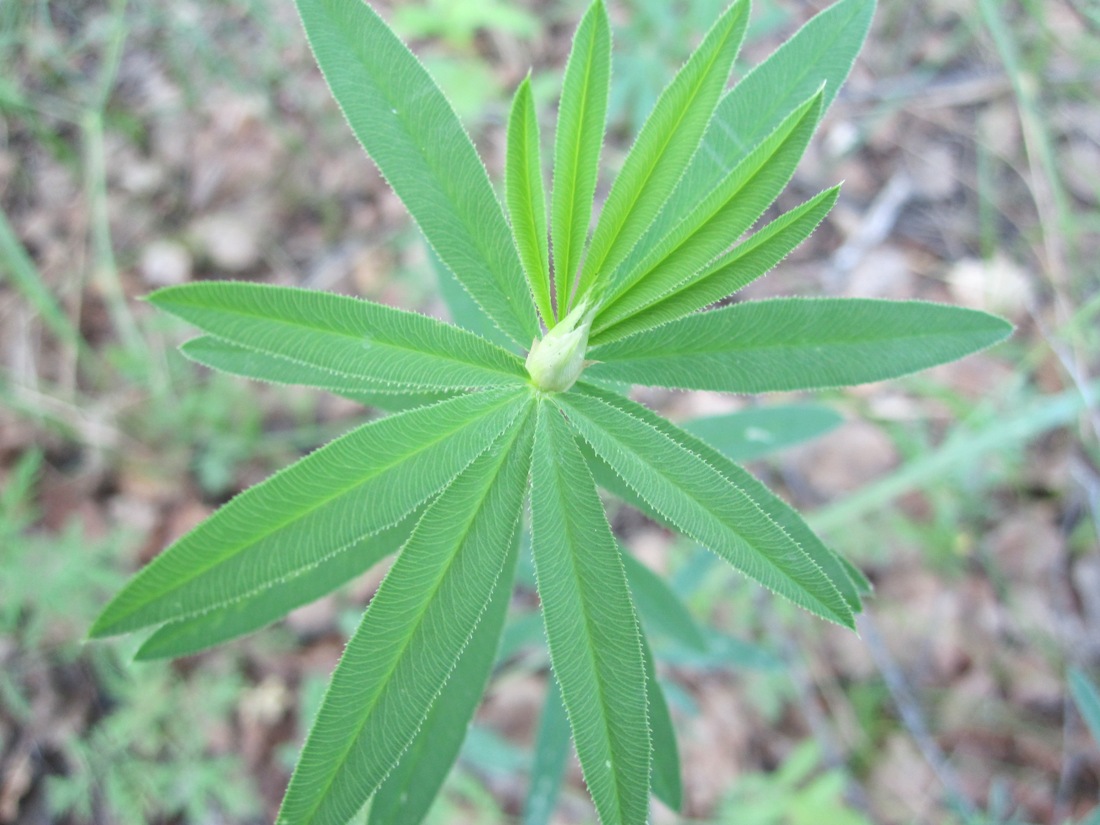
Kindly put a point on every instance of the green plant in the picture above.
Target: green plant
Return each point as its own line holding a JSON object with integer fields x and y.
{"x": 484, "y": 428}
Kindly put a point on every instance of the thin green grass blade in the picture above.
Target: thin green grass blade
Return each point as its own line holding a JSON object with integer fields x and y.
{"x": 749, "y": 260}
{"x": 590, "y": 625}
{"x": 662, "y": 149}
{"x": 354, "y": 340}
{"x": 231, "y": 621}
{"x": 659, "y": 608}
{"x": 690, "y": 241}
{"x": 1087, "y": 698}
{"x": 274, "y": 369}
{"x": 551, "y": 753}
{"x": 667, "y": 783}
{"x": 797, "y": 344}
{"x": 821, "y": 51}
{"x": 409, "y": 790}
{"x": 966, "y": 445}
{"x": 409, "y": 129}
{"x": 577, "y": 144}
{"x": 526, "y": 198}
{"x": 413, "y": 632}
{"x": 353, "y": 487}
{"x": 17, "y": 266}
{"x": 752, "y": 433}
{"x": 836, "y": 569}
{"x": 701, "y": 502}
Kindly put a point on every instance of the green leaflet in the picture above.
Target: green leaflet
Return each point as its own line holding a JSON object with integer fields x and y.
{"x": 355, "y": 341}
{"x": 822, "y": 50}
{"x": 667, "y": 784}
{"x": 356, "y": 485}
{"x": 577, "y": 145}
{"x": 798, "y": 343}
{"x": 526, "y": 197}
{"x": 748, "y": 434}
{"x": 551, "y": 752}
{"x": 662, "y": 149}
{"x": 1087, "y": 698}
{"x": 753, "y": 257}
{"x": 590, "y": 625}
{"x": 695, "y": 239}
{"x": 408, "y": 791}
{"x": 412, "y": 634}
{"x": 237, "y": 360}
{"x": 410, "y": 130}
{"x": 659, "y": 607}
{"x": 190, "y": 635}
{"x": 702, "y": 503}
{"x": 849, "y": 581}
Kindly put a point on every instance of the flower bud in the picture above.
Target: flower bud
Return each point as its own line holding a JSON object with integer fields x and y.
{"x": 557, "y": 360}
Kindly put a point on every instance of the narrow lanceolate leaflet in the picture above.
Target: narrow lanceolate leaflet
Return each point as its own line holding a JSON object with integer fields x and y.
{"x": 489, "y": 439}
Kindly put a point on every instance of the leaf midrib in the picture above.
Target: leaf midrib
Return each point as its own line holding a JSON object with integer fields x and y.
{"x": 416, "y": 622}
{"x": 588, "y": 626}
{"x": 567, "y": 292}
{"x": 299, "y": 514}
{"x": 368, "y": 337}
{"x": 660, "y": 153}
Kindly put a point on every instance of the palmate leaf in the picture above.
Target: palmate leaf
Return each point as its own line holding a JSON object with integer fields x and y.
{"x": 659, "y": 607}
{"x": 730, "y": 272}
{"x": 356, "y": 341}
{"x": 237, "y": 360}
{"x": 526, "y": 197}
{"x": 702, "y": 503}
{"x": 409, "y": 789}
{"x": 821, "y": 51}
{"x": 670, "y": 135}
{"x": 190, "y": 635}
{"x": 715, "y": 223}
{"x": 577, "y": 144}
{"x": 353, "y": 487}
{"x": 412, "y": 634}
{"x": 591, "y": 630}
{"x": 748, "y": 434}
{"x": 410, "y": 130}
{"x": 798, "y": 343}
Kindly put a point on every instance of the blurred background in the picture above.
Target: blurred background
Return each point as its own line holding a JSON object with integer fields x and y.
{"x": 148, "y": 144}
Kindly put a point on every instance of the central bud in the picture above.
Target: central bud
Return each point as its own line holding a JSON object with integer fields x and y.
{"x": 556, "y": 362}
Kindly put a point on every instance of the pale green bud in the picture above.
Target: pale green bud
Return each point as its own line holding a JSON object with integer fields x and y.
{"x": 556, "y": 362}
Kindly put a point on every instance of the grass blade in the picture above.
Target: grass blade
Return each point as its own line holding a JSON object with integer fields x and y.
{"x": 353, "y": 487}
{"x": 411, "y": 636}
{"x": 590, "y": 625}
{"x": 526, "y": 197}
{"x": 411, "y": 787}
{"x": 187, "y": 636}
{"x": 409, "y": 129}
{"x": 1087, "y": 698}
{"x": 702, "y": 503}
{"x": 798, "y": 343}
{"x": 663, "y": 147}
{"x": 355, "y": 341}
{"x": 577, "y": 143}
